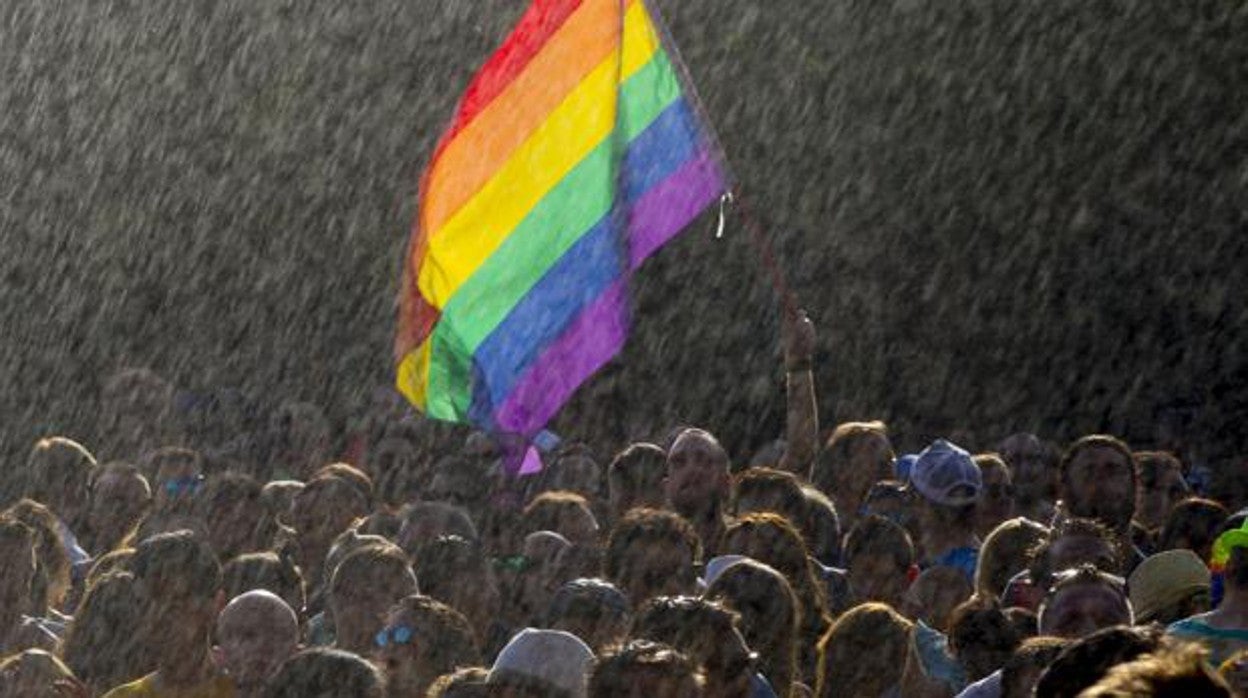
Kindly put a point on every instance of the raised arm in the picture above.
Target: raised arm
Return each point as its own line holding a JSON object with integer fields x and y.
{"x": 802, "y": 414}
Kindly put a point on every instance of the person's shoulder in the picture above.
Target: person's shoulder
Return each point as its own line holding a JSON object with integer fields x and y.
{"x": 141, "y": 688}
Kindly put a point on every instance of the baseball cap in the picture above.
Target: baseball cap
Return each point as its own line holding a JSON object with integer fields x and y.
{"x": 944, "y": 473}
{"x": 1165, "y": 579}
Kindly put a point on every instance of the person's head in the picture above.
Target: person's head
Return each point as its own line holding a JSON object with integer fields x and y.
{"x": 425, "y": 521}
{"x": 766, "y": 489}
{"x": 298, "y": 438}
{"x": 1034, "y": 478}
{"x": 996, "y": 504}
{"x": 848, "y": 668}
{"x": 52, "y": 572}
{"x": 267, "y": 571}
{"x": 772, "y": 540}
{"x": 326, "y": 507}
{"x": 645, "y": 669}
{"x": 33, "y": 673}
{"x": 1193, "y": 524}
{"x": 981, "y": 637}
{"x": 469, "y": 682}
{"x": 1099, "y": 480}
{"x": 1025, "y": 665}
{"x": 1169, "y": 586}
{"x": 949, "y": 487}
{"x": 103, "y": 642}
{"x": 326, "y": 673}
{"x": 115, "y": 561}
{"x": 857, "y": 455}
{"x": 697, "y": 477}
{"x": 1084, "y": 661}
{"x": 1161, "y": 487}
{"x": 1173, "y": 672}
{"x": 353, "y": 475}
{"x": 177, "y": 477}
{"x": 422, "y": 639}
{"x": 635, "y": 478}
{"x": 651, "y": 553}
{"x": 1083, "y": 600}
{"x": 934, "y": 594}
{"x": 235, "y": 514}
{"x": 574, "y": 469}
{"x": 770, "y": 616}
{"x": 591, "y": 609}
{"x": 120, "y": 497}
{"x": 822, "y": 527}
{"x": 566, "y": 513}
{"x": 456, "y": 572}
{"x": 707, "y": 632}
{"x": 279, "y": 497}
{"x": 399, "y": 468}
{"x": 878, "y": 558}
{"x": 366, "y": 584}
{"x": 1075, "y": 542}
{"x": 256, "y": 632}
{"x": 180, "y": 582}
{"x": 553, "y": 662}
{"x": 1004, "y": 554}
{"x": 58, "y": 473}
{"x": 17, "y": 549}
{"x": 1230, "y": 554}
{"x": 135, "y": 404}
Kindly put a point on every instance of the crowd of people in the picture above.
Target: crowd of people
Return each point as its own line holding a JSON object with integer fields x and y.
{"x": 293, "y": 559}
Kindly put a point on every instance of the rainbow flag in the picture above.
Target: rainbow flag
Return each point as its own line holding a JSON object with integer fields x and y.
{"x": 576, "y": 152}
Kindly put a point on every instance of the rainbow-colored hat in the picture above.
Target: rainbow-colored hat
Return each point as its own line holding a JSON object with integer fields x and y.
{"x": 1228, "y": 541}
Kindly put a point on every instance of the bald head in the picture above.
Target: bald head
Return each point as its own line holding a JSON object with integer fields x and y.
{"x": 257, "y": 631}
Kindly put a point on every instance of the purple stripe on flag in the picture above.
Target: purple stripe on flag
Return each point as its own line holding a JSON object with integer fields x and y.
{"x": 588, "y": 343}
{"x": 668, "y": 207}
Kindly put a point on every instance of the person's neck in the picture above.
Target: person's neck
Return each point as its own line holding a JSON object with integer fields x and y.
{"x": 938, "y": 541}
{"x": 192, "y": 670}
{"x": 1233, "y": 611}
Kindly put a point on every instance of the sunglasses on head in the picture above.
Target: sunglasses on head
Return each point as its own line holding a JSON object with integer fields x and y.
{"x": 514, "y": 563}
{"x": 184, "y": 485}
{"x": 398, "y": 636}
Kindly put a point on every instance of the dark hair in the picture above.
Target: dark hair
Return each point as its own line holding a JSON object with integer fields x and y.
{"x": 1096, "y": 441}
{"x": 1173, "y": 672}
{"x": 152, "y": 462}
{"x": 770, "y": 616}
{"x": 1197, "y": 520}
{"x": 363, "y": 565}
{"x": 178, "y": 561}
{"x": 834, "y": 458}
{"x": 449, "y": 565}
{"x": 1034, "y": 653}
{"x": 639, "y": 467}
{"x": 822, "y": 526}
{"x": 468, "y": 682}
{"x": 326, "y": 673}
{"x": 1038, "y": 556}
{"x": 846, "y": 669}
{"x": 55, "y": 465}
{"x": 776, "y": 485}
{"x": 268, "y": 571}
{"x": 593, "y": 600}
{"x": 640, "y": 526}
{"x": 548, "y": 511}
{"x": 352, "y": 476}
{"x": 1005, "y": 552}
{"x": 618, "y": 672}
{"x": 1083, "y": 662}
{"x": 876, "y": 535}
{"x": 449, "y": 641}
{"x": 690, "y": 624}
{"x": 981, "y": 636}
{"x": 100, "y": 643}
{"x": 52, "y": 569}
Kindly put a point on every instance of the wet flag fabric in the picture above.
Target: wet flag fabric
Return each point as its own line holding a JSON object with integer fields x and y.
{"x": 578, "y": 149}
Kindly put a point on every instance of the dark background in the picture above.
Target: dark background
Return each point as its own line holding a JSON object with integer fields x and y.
{"x": 1003, "y": 214}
